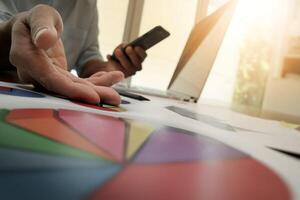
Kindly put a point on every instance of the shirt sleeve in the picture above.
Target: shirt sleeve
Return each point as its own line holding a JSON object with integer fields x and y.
{"x": 6, "y": 10}
{"x": 90, "y": 51}
{"x": 4, "y": 16}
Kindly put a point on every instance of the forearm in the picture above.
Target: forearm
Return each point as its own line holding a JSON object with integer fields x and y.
{"x": 92, "y": 67}
{"x": 5, "y": 42}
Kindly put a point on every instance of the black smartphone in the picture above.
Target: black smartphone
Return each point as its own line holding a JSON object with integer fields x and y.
{"x": 149, "y": 39}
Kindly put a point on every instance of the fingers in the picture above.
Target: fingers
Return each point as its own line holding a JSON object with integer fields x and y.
{"x": 141, "y": 53}
{"x": 106, "y": 78}
{"x": 83, "y": 90}
{"x": 73, "y": 90}
{"x": 124, "y": 61}
{"x": 64, "y": 83}
{"x": 134, "y": 58}
{"x": 108, "y": 95}
{"x": 46, "y": 26}
{"x": 131, "y": 60}
{"x": 115, "y": 63}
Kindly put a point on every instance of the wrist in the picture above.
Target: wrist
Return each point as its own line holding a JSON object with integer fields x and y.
{"x": 92, "y": 67}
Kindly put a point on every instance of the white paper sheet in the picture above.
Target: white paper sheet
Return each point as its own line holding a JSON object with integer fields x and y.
{"x": 254, "y": 138}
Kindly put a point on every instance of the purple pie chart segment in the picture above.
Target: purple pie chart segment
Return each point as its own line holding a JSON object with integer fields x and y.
{"x": 174, "y": 145}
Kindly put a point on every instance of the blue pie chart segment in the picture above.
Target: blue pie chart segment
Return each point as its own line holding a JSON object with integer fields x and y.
{"x": 19, "y": 92}
{"x": 73, "y": 184}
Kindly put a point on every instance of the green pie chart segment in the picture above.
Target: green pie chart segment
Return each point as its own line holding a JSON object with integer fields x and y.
{"x": 19, "y": 138}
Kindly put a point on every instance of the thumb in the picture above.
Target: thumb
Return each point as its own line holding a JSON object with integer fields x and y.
{"x": 46, "y": 26}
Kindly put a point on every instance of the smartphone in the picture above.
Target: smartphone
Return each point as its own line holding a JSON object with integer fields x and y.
{"x": 149, "y": 39}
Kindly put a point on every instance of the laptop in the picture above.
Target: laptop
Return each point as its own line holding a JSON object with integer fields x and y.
{"x": 197, "y": 58}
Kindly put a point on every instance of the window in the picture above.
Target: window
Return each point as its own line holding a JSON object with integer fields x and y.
{"x": 112, "y": 20}
{"x": 250, "y": 52}
{"x": 214, "y": 5}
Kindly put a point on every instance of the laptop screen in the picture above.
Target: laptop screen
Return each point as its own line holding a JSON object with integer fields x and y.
{"x": 200, "y": 52}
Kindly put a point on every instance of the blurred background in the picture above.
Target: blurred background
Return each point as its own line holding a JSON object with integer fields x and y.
{"x": 257, "y": 69}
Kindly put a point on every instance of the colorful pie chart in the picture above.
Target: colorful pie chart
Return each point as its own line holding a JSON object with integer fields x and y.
{"x": 67, "y": 154}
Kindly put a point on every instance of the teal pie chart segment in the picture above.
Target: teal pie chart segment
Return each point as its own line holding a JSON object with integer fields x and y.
{"x": 75, "y": 184}
{"x": 18, "y": 92}
{"x": 14, "y": 159}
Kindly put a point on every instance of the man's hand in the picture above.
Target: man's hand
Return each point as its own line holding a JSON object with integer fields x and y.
{"x": 38, "y": 54}
{"x": 129, "y": 62}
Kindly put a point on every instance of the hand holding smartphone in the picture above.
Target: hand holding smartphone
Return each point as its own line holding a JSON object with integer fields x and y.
{"x": 148, "y": 40}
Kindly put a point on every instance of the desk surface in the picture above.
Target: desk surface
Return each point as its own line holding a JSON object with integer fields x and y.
{"x": 163, "y": 149}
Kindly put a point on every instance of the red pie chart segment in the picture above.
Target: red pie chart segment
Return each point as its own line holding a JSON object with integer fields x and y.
{"x": 106, "y": 132}
{"x": 43, "y": 122}
{"x": 227, "y": 180}
{"x": 175, "y": 145}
